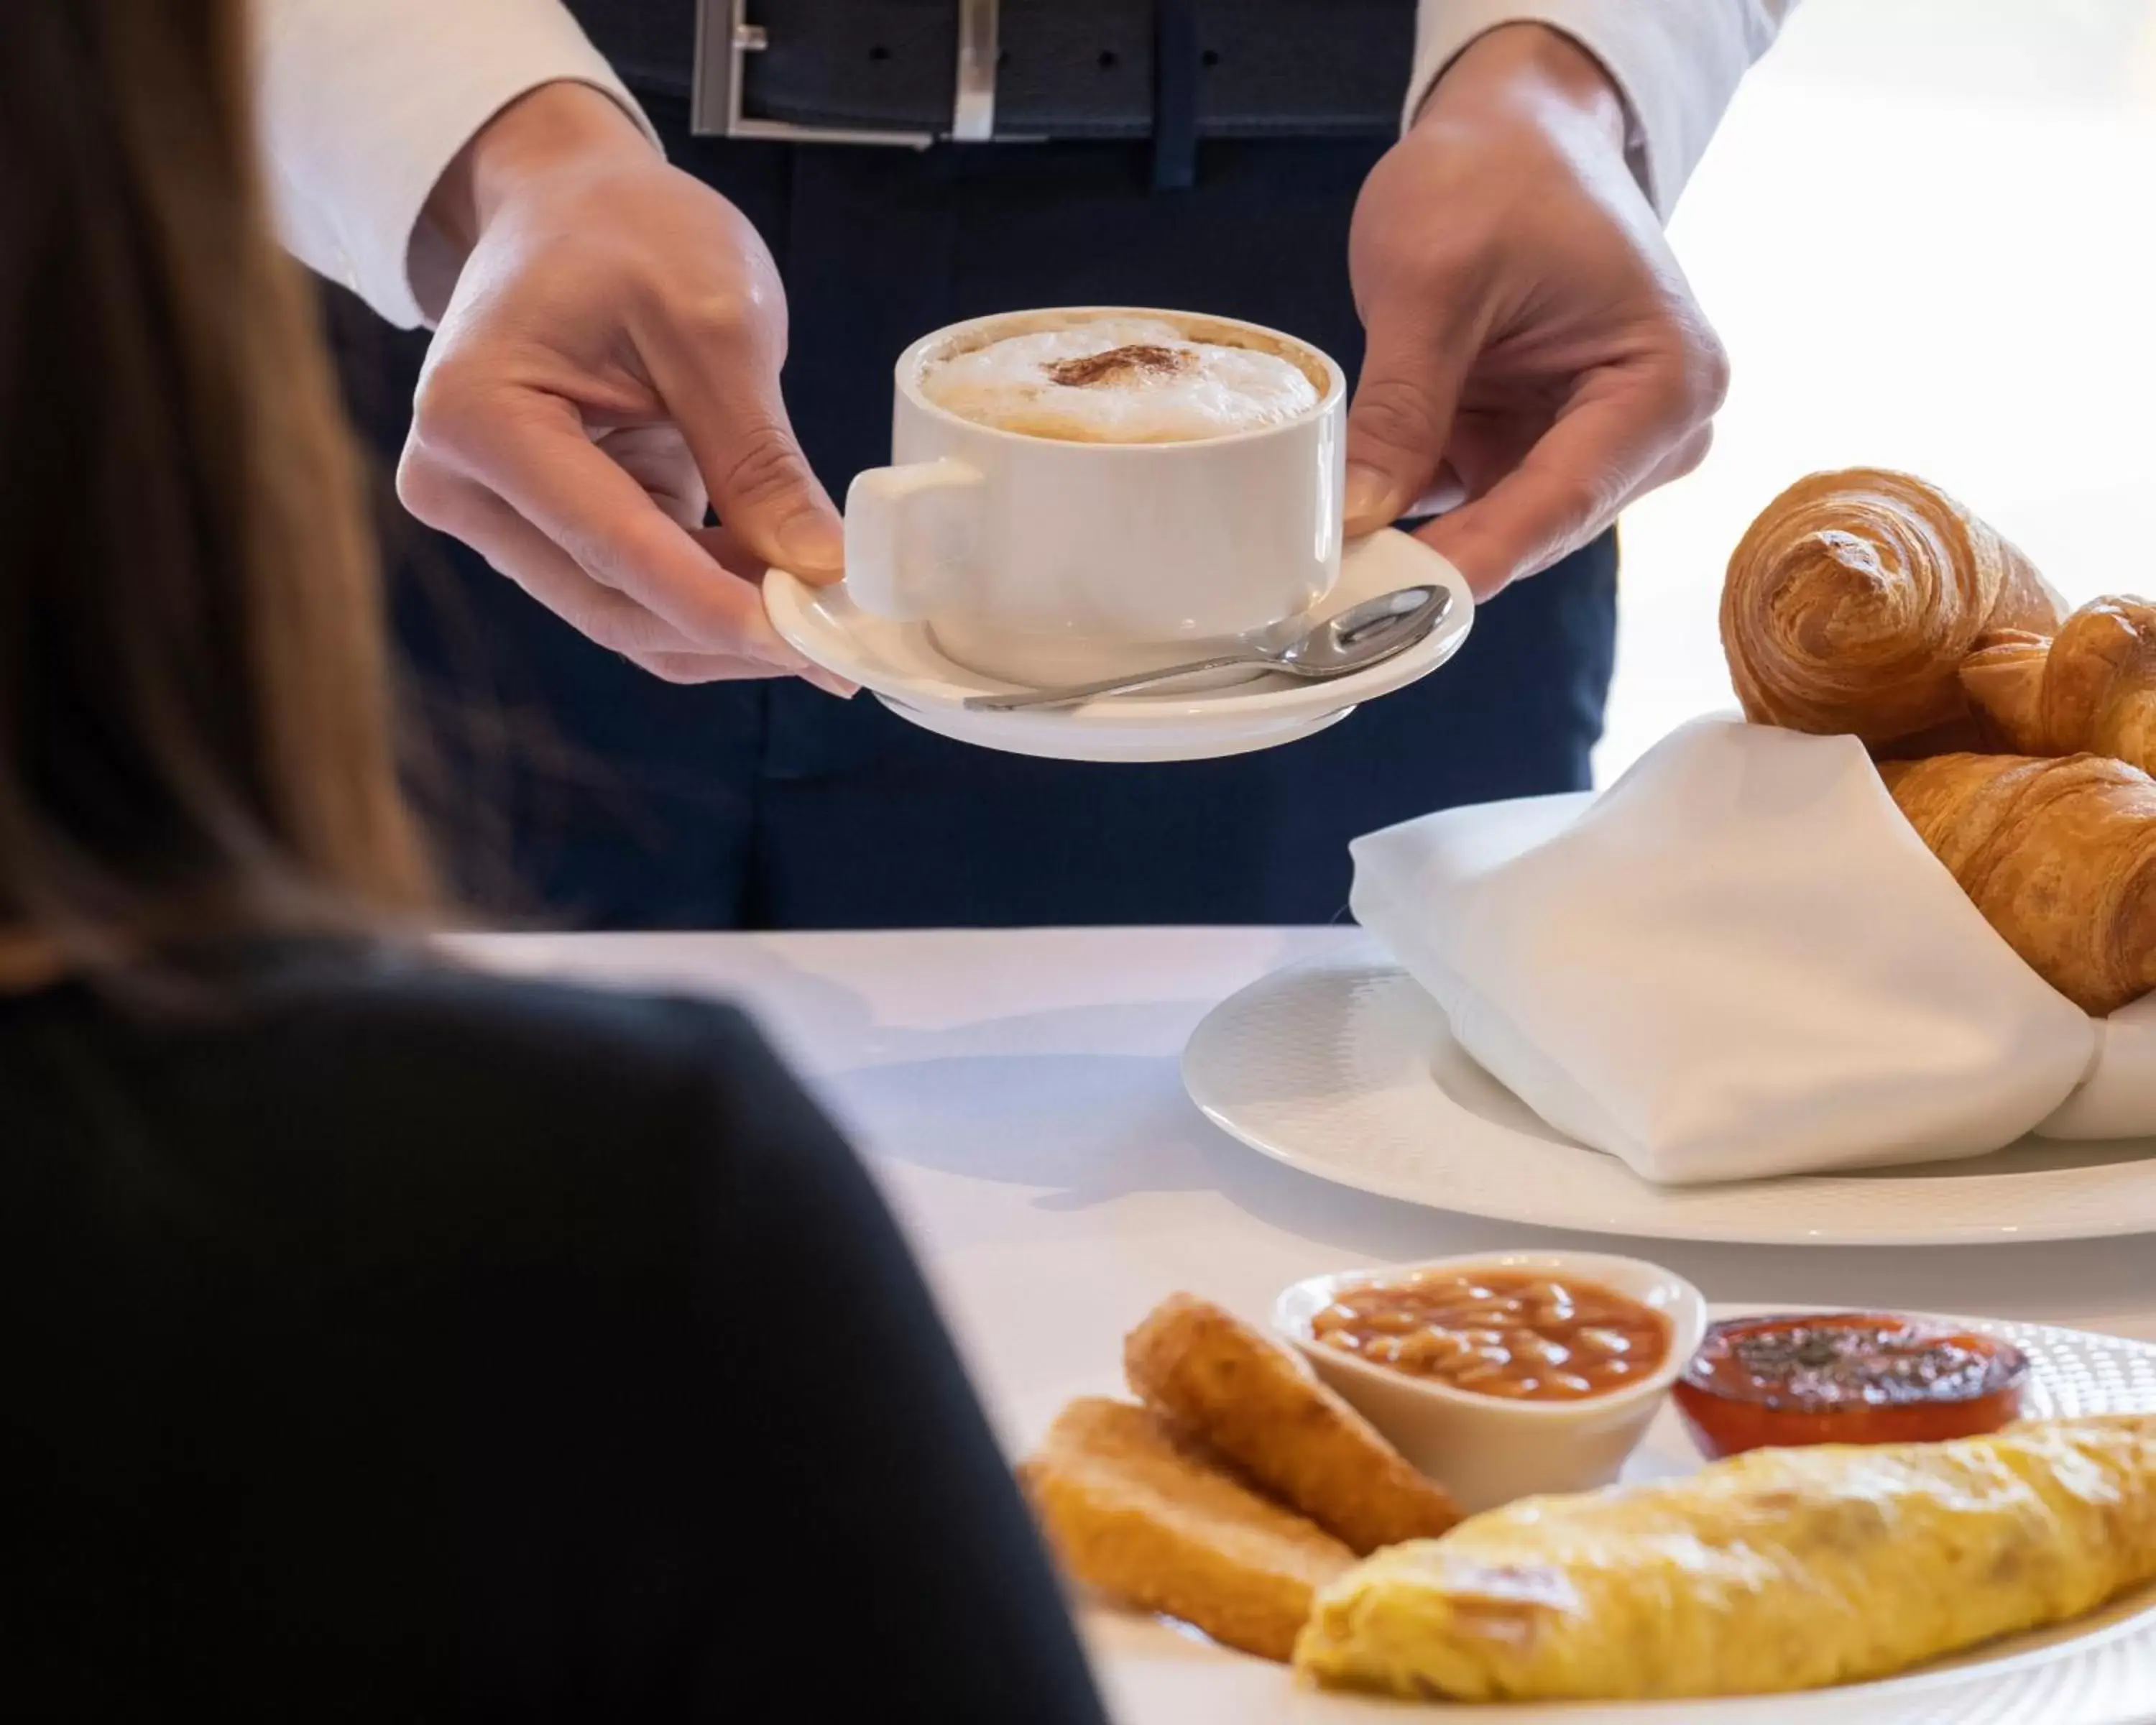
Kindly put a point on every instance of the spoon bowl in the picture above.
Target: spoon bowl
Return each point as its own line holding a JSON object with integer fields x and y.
{"x": 1361, "y": 636}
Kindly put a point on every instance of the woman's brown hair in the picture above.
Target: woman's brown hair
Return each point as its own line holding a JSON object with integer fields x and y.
{"x": 194, "y": 738}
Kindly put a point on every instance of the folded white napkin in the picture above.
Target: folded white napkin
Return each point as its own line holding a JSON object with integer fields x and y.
{"x": 1740, "y": 961}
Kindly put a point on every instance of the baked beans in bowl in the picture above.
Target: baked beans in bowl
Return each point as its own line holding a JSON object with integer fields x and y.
{"x": 1522, "y": 1334}
{"x": 1503, "y": 1375}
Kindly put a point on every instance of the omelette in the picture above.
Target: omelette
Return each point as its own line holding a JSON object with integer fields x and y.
{"x": 1775, "y": 1570}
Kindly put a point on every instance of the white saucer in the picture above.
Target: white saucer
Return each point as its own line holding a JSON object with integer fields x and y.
{"x": 901, "y": 664}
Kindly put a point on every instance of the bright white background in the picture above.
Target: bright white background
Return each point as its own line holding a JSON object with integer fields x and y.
{"x": 1928, "y": 234}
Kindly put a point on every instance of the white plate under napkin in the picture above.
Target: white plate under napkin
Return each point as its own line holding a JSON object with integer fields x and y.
{"x": 1347, "y": 1070}
{"x": 1741, "y": 960}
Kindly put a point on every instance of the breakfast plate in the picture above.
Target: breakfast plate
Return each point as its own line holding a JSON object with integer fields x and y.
{"x": 2097, "y": 1669}
{"x": 903, "y": 665}
{"x": 1348, "y": 1070}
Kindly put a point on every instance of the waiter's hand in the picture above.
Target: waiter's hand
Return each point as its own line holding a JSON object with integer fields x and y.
{"x": 608, "y": 362}
{"x": 1533, "y": 347}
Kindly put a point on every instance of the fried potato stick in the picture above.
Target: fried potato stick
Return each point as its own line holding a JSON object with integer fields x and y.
{"x": 1259, "y": 1405}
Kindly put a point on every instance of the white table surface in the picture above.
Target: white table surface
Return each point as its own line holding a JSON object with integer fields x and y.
{"x": 1016, "y": 1092}
{"x": 1017, "y": 1095}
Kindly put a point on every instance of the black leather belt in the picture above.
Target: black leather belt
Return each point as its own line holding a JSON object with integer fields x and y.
{"x": 918, "y": 71}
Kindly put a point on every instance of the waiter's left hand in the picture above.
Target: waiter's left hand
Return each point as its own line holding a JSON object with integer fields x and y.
{"x": 1533, "y": 347}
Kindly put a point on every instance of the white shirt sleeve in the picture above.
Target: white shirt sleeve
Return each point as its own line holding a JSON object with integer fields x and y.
{"x": 363, "y": 104}
{"x": 1676, "y": 62}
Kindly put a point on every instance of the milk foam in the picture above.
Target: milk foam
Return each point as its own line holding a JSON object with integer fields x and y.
{"x": 1126, "y": 380}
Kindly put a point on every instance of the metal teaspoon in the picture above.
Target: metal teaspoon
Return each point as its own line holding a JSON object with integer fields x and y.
{"x": 1351, "y": 640}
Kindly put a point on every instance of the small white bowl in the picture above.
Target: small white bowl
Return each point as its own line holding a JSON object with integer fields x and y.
{"x": 1487, "y": 1449}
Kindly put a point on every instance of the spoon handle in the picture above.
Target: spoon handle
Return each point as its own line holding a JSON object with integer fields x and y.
{"x": 1076, "y": 694}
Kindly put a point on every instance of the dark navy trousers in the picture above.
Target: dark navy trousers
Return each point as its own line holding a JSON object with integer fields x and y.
{"x": 573, "y": 788}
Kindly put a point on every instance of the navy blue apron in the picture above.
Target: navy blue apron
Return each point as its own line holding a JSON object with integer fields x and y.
{"x": 576, "y": 787}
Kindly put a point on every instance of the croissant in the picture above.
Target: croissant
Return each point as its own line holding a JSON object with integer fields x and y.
{"x": 2059, "y": 855}
{"x": 1852, "y": 602}
{"x": 2090, "y": 687}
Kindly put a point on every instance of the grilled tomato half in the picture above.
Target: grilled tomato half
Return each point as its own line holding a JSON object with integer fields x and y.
{"x": 1845, "y": 1378}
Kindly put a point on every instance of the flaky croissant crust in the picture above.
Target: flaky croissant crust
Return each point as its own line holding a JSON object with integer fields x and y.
{"x": 2058, "y": 853}
{"x": 1852, "y": 600}
{"x": 2091, "y": 688}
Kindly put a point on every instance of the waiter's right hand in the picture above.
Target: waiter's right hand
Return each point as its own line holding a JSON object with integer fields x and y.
{"x": 608, "y": 363}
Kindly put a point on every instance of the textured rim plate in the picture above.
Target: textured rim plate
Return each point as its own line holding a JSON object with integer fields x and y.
{"x": 2099, "y": 1670}
{"x": 1348, "y": 1071}
{"x": 901, "y": 664}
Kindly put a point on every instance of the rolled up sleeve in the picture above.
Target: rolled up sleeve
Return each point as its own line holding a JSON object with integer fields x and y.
{"x": 1676, "y": 62}
{"x": 363, "y": 104}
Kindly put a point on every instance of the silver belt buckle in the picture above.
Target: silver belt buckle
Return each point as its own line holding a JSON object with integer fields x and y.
{"x": 725, "y": 38}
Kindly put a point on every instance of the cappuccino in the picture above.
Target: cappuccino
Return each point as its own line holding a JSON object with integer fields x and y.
{"x": 1120, "y": 380}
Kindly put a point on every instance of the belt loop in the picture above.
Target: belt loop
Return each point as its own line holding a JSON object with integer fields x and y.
{"x": 1175, "y": 94}
{"x": 973, "y": 97}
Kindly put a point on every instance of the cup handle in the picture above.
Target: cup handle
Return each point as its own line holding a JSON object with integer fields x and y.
{"x": 912, "y": 535}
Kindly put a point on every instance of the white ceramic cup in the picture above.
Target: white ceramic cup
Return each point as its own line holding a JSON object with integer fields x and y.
{"x": 1042, "y": 560}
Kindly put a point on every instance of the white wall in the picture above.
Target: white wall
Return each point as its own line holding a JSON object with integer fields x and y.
{"x": 1928, "y": 234}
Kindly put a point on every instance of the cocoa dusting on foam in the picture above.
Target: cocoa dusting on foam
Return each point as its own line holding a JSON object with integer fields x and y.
{"x": 1120, "y": 364}
{"x": 1125, "y": 380}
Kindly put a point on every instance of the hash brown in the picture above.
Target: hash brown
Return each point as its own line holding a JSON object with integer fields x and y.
{"x": 1259, "y": 1405}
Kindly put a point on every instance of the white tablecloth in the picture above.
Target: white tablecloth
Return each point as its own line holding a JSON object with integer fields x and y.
{"x": 1017, "y": 1095}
